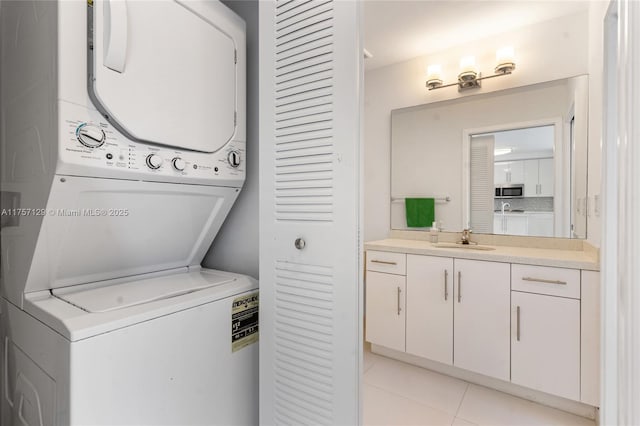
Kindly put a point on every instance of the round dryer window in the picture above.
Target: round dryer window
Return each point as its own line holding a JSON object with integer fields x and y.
{"x": 163, "y": 74}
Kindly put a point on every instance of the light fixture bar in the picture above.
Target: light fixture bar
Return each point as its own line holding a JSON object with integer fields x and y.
{"x": 470, "y": 82}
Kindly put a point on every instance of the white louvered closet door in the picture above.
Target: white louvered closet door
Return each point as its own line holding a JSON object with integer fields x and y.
{"x": 310, "y": 312}
{"x": 482, "y": 189}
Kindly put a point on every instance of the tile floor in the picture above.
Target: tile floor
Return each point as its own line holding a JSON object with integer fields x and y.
{"x": 399, "y": 394}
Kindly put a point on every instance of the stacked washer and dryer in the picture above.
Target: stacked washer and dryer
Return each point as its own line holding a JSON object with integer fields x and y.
{"x": 122, "y": 152}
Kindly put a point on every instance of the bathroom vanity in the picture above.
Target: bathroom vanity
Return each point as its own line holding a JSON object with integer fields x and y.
{"x": 517, "y": 314}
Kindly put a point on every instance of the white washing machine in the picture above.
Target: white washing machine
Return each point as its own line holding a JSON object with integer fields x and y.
{"x": 122, "y": 151}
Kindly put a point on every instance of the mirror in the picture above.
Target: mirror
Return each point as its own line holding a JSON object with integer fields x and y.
{"x": 508, "y": 162}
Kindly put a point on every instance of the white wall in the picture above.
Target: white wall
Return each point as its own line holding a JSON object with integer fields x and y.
{"x": 597, "y": 12}
{"x": 235, "y": 249}
{"x": 547, "y": 51}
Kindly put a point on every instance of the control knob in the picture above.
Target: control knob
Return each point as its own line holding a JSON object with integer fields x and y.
{"x": 154, "y": 161}
{"x": 233, "y": 158}
{"x": 90, "y": 135}
{"x": 178, "y": 164}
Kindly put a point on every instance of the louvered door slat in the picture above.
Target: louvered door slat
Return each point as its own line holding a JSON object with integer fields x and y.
{"x": 316, "y": 44}
{"x": 306, "y": 84}
{"x": 304, "y": 111}
{"x": 300, "y": 42}
{"x": 302, "y": 20}
{"x": 306, "y": 137}
{"x": 481, "y": 184}
{"x": 303, "y": 151}
{"x": 302, "y": 8}
{"x": 286, "y": 8}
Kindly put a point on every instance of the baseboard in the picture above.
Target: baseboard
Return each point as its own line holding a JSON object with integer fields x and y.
{"x": 573, "y": 407}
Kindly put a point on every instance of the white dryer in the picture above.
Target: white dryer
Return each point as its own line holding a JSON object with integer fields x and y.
{"x": 122, "y": 152}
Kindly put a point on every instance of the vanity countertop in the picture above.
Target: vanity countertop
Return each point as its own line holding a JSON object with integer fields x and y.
{"x": 562, "y": 258}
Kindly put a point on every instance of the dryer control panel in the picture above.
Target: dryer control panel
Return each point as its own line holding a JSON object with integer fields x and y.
{"x": 90, "y": 146}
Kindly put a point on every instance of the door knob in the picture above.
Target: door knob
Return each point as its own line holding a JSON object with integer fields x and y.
{"x": 299, "y": 243}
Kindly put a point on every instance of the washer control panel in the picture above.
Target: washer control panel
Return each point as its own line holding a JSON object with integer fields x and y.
{"x": 154, "y": 161}
{"x": 179, "y": 164}
{"x": 234, "y": 159}
{"x": 89, "y": 142}
{"x": 90, "y": 135}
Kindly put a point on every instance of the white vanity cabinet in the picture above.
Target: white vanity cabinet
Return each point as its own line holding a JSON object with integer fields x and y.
{"x": 545, "y": 338}
{"x": 430, "y": 307}
{"x": 386, "y": 299}
{"x": 533, "y": 326}
{"x": 481, "y": 317}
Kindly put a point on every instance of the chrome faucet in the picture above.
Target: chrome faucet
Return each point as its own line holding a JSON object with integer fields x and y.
{"x": 465, "y": 238}
{"x": 505, "y": 205}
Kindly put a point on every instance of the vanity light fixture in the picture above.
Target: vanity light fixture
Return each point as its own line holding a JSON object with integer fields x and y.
{"x": 469, "y": 76}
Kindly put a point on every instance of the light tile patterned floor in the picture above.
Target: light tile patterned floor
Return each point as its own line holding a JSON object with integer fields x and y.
{"x": 399, "y": 394}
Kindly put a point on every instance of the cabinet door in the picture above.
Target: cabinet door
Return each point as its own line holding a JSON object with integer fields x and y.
{"x": 500, "y": 173}
{"x": 545, "y": 177}
{"x": 516, "y": 224}
{"x": 481, "y": 317}
{"x": 530, "y": 178}
{"x": 517, "y": 172}
{"x": 545, "y": 343}
{"x": 540, "y": 224}
{"x": 386, "y": 310}
{"x": 498, "y": 221}
{"x": 430, "y": 307}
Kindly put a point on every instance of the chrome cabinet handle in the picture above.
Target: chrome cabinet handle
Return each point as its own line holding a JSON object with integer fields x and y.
{"x": 542, "y": 280}
{"x": 446, "y": 289}
{"x": 459, "y": 279}
{"x": 518, "y": 323}
{"x": 399, "y": 291}
{"x": 384, "y": 262}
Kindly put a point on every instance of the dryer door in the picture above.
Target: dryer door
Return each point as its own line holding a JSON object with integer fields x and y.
{"x": 165, "y": 72}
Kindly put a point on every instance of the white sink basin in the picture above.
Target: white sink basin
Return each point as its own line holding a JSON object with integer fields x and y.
{"x": 463, "y": 246}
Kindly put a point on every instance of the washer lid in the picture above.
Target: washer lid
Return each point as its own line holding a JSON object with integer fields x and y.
{"x": 119, "y": 296}
{"x": 165, "y": 72}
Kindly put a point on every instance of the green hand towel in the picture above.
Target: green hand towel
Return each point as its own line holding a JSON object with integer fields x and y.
{"x": 420, "y": 212}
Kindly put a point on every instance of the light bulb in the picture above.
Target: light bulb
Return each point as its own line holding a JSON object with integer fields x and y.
{"x": 434, "y": 72}
{"x": 468, "y": 65}
{"x": 505, "y": 59}
{"x": 434, "y": 76}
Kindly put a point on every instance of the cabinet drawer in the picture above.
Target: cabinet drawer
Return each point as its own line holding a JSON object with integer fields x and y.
{"x": 384, "y": 261}
{"x": 546, "y": 280}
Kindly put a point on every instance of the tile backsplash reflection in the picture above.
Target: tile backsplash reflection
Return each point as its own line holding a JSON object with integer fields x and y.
{"x": 529, "y": 204}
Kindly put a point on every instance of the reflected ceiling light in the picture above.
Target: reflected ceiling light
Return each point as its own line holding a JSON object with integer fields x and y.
{"x": 502, "y": 151}
{"x": 469, "y": 76}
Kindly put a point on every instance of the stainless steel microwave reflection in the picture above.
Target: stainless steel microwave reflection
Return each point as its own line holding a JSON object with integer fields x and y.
{"x": 515, "y": 190}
